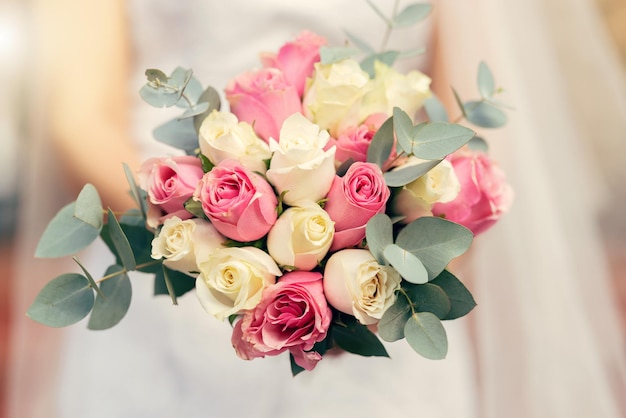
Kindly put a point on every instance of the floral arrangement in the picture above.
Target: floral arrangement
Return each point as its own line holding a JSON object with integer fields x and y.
{"x": 319, "y": 213}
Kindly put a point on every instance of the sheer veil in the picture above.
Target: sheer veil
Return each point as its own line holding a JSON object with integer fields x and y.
{"x": 547, "y": 336}
{"x": 549, "y": 342}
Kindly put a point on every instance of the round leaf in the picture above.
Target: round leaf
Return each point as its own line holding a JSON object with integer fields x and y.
{"x": 110, "y": 310}
{"x": 381, "y": 145}
{"x": 88, "y": 207}
{"x": 435, "y": 110}
{"x": 426, "y": 335}
{"x": 379, "y": 234}
{"x": 484, "y": 115}
{"x": 438, "y": 139}
{"x": 391, "y": 325}
{"x": 461, "y": 300}
{"x": 63, "y": 301}
{"x": 429, "y": 298}
{"x": 409, "y": 266}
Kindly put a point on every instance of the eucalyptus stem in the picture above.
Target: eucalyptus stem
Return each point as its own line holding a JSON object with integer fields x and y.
{"x": 389, "y": 22}
{"x": 401, "y": 290}
{"x": 124, "y": 270}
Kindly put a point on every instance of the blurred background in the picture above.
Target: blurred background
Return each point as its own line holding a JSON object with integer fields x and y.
{"x": 14, "y": 148}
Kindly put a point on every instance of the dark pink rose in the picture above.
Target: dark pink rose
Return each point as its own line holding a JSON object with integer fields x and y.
{"x": 240, "y": 204}
{"x": 296, "y": 58}
{"x": 484, "y": 194}
{"x": 292, "y": 315}
{"x": 264, "y": 99}
{"x": 169, "y": 182}
{"x": 352, "y": 200}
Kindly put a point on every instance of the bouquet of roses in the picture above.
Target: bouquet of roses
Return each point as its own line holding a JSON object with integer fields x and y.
{"x": 319, "y": 213}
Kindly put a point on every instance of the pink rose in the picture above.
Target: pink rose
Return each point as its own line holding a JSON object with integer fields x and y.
{"x": 292, "y": 315}
{"x": 353, "y": 199}
{"x": 240, "y": 204}
{"x": 353, "y": 142}
{"x": 170, "y": 182}
{"x": 296, "y": 59}
{"x": 264, "y": 99}
{"x": 484, "y": 194}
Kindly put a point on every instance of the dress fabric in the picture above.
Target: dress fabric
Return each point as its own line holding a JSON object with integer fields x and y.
{"x": 545, "y": 338}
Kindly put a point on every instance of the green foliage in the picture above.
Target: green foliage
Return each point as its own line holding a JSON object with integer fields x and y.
{"x": 119, "y": 240}
{"x": 484, "y": 114}
{"x": 379, "y": 234}
{"x": 461, "y": 300}
{"x": 428, "y": 297}
{"x": 411, "y": 15}
{"x": 359, "y": 43}
{"x": 162, "y": 91}
{"x": 386, "y": 57}
{"x": 295, "y": 369}
{"x": 438, "y": 139}
{"x": 381, "y": 145}
{"x": 173, "y": 283}
{"x": 135, "y": 191}
{"x": 111, "y": 307}
{"x": 195, "y": 208}
{"x": 426, "y": 335}
{"x": 212, "y": 97}
{"x": 178, "y": 133}
{"x": 63, "y": 301}
{"x": 402, "y": 176}
{"x": 139, "y": 239}
{"x": 350, "y": 335}
{"x": 391, "y": 325}
{"x": 331, "y": 55}
{"x": 408, "y": 265}
{"x": 478, "y": 144}
{"x": 88, "y": 206}
{"x": 435, "y": 110}
{"x": 486, "y": 83}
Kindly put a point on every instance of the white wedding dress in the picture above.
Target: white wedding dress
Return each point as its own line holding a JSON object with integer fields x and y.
{"x": 547, "y": 338}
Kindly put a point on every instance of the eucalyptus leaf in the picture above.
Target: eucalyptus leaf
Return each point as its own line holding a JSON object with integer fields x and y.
{"x": 110, "y": 309}
{"x": 486, "y": 83}
{"x": 379, "y": 234}
{"x": 415, "y": 52}
{"x": 295, "y": 369}
{"x": 135, "y": 191}
{"x": 459, "y": 103}
{"x": 405, "y": 175}
{"x": 65, "y": 235}
{"x": 408, "y": 265}
{"x": 180, "y": 134}
{"x": 212, "y": 97}
{"x": 461, "y": 300}
{"x": 426, "y": 335}
{"x": 435, "y": 110}
{"x": 391, "y": 325}
{"x": 356, "y": 338}
{"x": 63, "y": 301}
{"x": 378, "y": 11}
{"x": 485, "y": 115}
{"x": 381, "y": 145}
{"x": 89, "y": 277}
{"x": 478, "y": 144}
{"x": 429, "y": 298}
{"x": 435, "y": 242}
{"x": 173, "y": 283}
{"x": 193, "y": 91}
{"x": 195, "y": 110}
{"x": 159, "y": 96}
{"x": 180, "y": 78}
{"x": 438, "y": 139}
{"x": 359, "y": 43}
{"x": 88, "y": 207}
{"x": 403, "y": 128}
{"x": 140, "y": 240}
{"x": 195, "y": 208}
{"x": 120, "y": 242}
{"x": 386, "y": 57}
{"x": 411, "y": 15}
{"x": 156, "y": 76}
{"x": 331, "y": 55}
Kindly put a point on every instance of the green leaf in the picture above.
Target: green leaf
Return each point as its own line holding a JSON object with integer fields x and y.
{"x": 88, "y": 207}
{"x": 411, "y": 15}
{"x": 438, "y": 139}
{"x": 89, "y": 277}
{"x": 486, "y": 84}
{"x": 461, "y": 300}
{"x": 457, "y": 98}
{"x": 180, "y": 78}
{"x": 402, "y": 176}
{"x": 478, "y": 144}
{"x": 426, "y": 335}
{"x": 435, "y": 110}
{"x": 484, "y": 114}
{"x": 378, "y": 11}
{"x": 330, "y": 55}
{"x": 409, "y": 266}
{"x": 207, "y": 165}
{"x": 193, "y": 91}
{"x": 212, "y": 97}
{"x": 391, "y": 325}
{"x": 359, "y": 43}
{"x": 194, "y": 110}
{"x": 65, "y": 235}
{"x": 429, "y": 298}
{"x": 110, "y": 309}
{"x": 135, "y": 191}
{"x": 140, "y": 240}
{"x": 435, "y": 242}
{"x": 63, "y": 301}
{"x": 379, "y": 234}
{"x": 159, "y": 96}
{"x": 177, "y": 133}
{"x": 403, "y": 127}
{"x": 173, "y": 283}
{"x": 356, "y": 338}
{"x": 155, "y": 75}
{"x": 381, "y": 145}
{"x": 120, "y": 242}
{"x": 295, "y": 369}
{"x": 195, "y": 208}
{"x": 386, "y": 57}
{"x": 409, "y": 53}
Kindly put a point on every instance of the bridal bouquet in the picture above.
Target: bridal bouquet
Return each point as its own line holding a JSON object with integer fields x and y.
{"x": 318, "y": 213}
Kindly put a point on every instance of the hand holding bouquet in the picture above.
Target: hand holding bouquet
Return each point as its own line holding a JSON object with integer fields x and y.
{"x": 329, "y": 199}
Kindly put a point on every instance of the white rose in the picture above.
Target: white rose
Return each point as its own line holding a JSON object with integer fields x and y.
{"x": 439, "y": 185}
{"x": 301, "y": 236}
{"x": 184, "y": 243}
{"x": 232, "y": 280}
{"x": 393, "y": 89}
{"x": 354, "y": 283}
{"x": 299, "y": 165}
{"x": 222, "y": 137}
{"x": 334, "y": 95}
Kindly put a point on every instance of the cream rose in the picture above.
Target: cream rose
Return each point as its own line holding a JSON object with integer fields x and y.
{"x": 184, "y": 243}
{"x": 354, "y": 283}
{"x": 439, "y": 185}
{"x": 300, "y": 166}
{"x": 393, "y": 89}
{"x": 333, "y": 98}
{"x": 223, "y": 137}
{"x": 301, "y": 237}
{"x": 232, "y": 280}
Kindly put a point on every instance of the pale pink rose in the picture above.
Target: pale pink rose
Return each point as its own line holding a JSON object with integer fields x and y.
{"x": 484, "y": 194}
{"x": 296, "y": 58}
{"x": 352, "y": 200}
{"x": 169, "y": 182}
{"x": 240, "y": 204}
{"x": 264, "y": 99}
{"x": 292, "y": 315}
{"x": 354, "y": 141}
